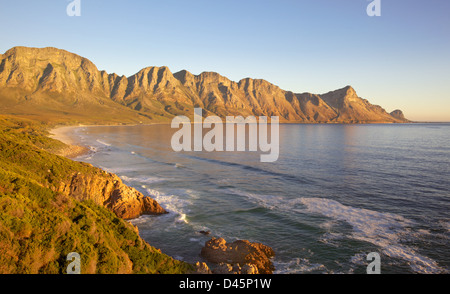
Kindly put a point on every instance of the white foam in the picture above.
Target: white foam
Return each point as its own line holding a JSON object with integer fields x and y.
{"x": 445, "y": 225}
{"x": 142, "y": 179}
{"x": 172, "y": 203}
{"x": 103, "y": 143}
{"x": 183, "y": 218}
{"x": 359, "y": 259}
{"x": 271, "y": 202}
{"x": 382, "y": 229}
{"x": 333, "y": 239}
{"x": 379, "y": 228}
{"x": 297, "y": 266}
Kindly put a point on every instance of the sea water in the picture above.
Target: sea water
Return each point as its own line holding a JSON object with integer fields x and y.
{"x": 335, "y": 194}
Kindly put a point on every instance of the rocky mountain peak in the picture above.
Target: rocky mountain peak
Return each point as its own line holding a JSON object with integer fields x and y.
{"x": 185, "y": 77}
{"x": 156, "y": 93}
{"x": 350, "y": 92}
{"x": 398, "y": 114}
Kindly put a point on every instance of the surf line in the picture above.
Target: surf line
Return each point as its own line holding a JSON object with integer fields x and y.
{"x": 214, "y": 139}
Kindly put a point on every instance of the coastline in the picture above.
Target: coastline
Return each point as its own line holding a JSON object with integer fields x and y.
{"x": 251, "y": 258}
{"x": 80, "y": 208}
{"x": 60, "y": 133}
{"x": 73, "y": 148}
{"x": 65, "y": 132}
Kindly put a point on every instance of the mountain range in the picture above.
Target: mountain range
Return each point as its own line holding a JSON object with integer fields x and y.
{"x": 59, "y": 86}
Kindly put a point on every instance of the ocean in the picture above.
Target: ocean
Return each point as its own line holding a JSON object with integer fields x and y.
{"x": 335, "y": 194}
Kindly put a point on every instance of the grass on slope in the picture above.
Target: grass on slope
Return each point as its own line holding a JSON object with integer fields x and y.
{"x": 39, "y": 227}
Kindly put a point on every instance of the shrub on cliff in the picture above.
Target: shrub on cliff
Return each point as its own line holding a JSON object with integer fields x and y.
{"x": 39, "y": 227}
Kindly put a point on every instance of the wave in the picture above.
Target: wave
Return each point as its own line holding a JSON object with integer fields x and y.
{"x": 445, "y": 225}
{"x": 296, "y": 179}
{"x": 271, "y": 202}
{"x": 298, "y": 266}
{"x": 172, "y": 203}
{"x": 385, "y": 230}
{"x": 103, "y": 143}
{"x": 142, "y": 179}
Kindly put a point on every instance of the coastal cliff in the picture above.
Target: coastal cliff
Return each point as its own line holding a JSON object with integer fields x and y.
{"x": 107, "y": 189}
{"x": 51, "y": 206}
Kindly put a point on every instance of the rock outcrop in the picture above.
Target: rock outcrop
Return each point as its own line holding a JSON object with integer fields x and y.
{"x": 240, "y": 256}
{"x": 398, "y": 114}
{"x": 109, "y": 190}
{"x": 201, "y": 268}
{"x": 34, "y": 81}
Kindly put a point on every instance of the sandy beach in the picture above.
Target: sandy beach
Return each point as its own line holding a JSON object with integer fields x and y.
{"x": 72, "y": 150}
{"x": 61, "y": 134}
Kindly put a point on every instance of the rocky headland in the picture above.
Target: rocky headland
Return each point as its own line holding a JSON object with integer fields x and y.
{"x": 52, "y": 205}
{"x": 108, "y": 190}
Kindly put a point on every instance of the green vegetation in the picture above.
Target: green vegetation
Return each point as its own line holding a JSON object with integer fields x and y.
{"x": 39, "y": 227}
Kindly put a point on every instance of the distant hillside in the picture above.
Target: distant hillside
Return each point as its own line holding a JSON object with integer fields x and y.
{"x": 50, "y": 84}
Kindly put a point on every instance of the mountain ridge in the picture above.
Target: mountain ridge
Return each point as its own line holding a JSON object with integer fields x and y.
{"x": 56, "y": 83}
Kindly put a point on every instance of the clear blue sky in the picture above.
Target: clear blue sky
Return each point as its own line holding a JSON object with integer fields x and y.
{"x": 400, "y": 59}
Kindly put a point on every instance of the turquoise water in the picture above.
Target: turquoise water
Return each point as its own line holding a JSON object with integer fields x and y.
{"x": 336, "y": 193}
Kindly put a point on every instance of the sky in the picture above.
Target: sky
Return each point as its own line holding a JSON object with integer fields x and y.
{"x": 399, "y": 60}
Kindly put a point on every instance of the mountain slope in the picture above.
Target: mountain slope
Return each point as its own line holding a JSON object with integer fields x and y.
{"x": 53, "y": 84}
{"x": 58, "y": 85}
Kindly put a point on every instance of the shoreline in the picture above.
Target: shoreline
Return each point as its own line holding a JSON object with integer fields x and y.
{"x": 76, "y": 149}
{"x": 60, "y": 134}
{"x": 73, "y": 148}
{"x": 261, "y": 255}
{"x": 63, "y": 132}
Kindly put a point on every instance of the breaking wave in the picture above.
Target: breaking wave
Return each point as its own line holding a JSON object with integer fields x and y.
{"x": 385, "y": 230}
{"x": 103, "y": 143}
{"x": 172, "y": 203}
